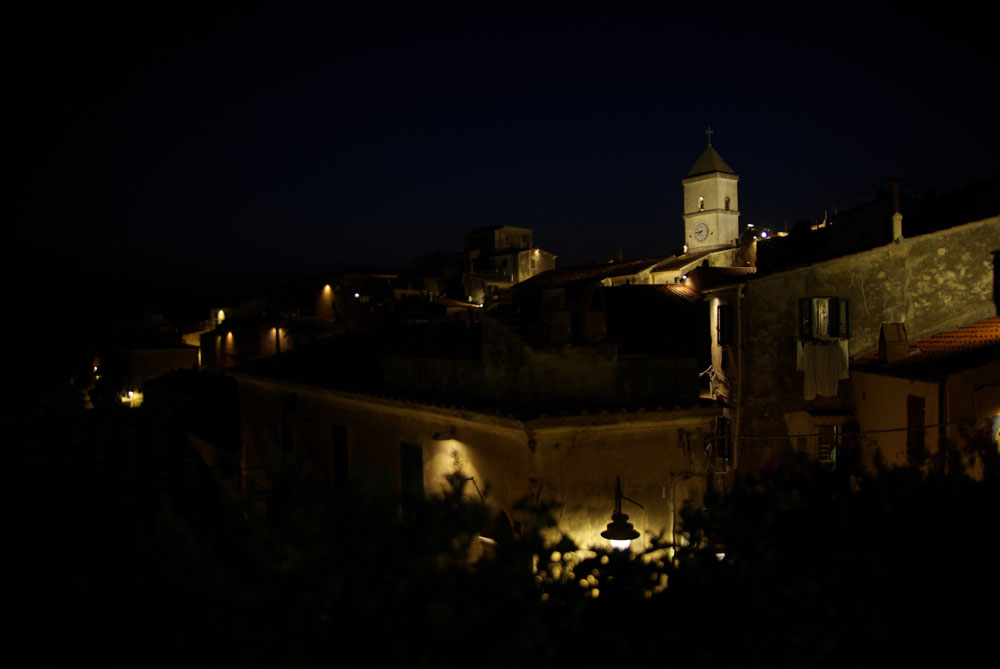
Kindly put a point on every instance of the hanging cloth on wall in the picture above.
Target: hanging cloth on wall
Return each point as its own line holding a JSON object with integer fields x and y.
{"x": 823, "y": 364}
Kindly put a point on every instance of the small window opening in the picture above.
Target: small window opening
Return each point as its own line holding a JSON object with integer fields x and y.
{"x": 829, "y": 441}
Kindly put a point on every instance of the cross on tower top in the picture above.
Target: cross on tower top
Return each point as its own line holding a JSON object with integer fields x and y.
{"x": 709, "y": 133}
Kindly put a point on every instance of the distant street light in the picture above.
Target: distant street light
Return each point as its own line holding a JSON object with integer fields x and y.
{"x": 620, "y": 532}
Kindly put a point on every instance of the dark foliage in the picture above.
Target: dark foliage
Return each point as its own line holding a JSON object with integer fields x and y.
{"x": 129, "y": 551}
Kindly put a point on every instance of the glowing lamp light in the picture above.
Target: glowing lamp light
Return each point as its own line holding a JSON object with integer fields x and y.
{"x": 620, "y": 532}
{"x": 621, "y": 544}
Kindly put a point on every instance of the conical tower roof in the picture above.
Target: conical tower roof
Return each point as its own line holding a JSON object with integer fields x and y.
{"x": 709, "y": 161}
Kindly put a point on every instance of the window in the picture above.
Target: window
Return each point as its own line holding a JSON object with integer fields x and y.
{"x": 724, "y": 437}
{"x": 532, "y": 263}
{"x": 829, "y": 443}
{"x": 701, "y": 203}
{"x": 824, "y": 318}
{"x": 727, "y": 203}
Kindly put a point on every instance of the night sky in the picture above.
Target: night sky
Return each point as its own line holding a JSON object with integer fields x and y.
{"x": 299, "y": 140}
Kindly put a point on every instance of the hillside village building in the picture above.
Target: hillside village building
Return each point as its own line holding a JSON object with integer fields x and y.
{"x": 670, "y": 372}
{"x": 785, "y": 341}
{"x": 950, "y": 381}
{"x": 500, "y": 257}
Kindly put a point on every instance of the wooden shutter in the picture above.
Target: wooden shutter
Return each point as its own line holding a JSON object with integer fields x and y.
{"x": 840, "y": 318}
{"x": 805, "y": 318}
{"x": 724, "y": 438}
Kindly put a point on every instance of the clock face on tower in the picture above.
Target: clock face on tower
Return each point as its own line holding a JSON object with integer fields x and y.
{"x": 701, "y": 232}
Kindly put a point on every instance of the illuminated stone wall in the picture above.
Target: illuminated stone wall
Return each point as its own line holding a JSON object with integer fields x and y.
{"x": 236, "y": 344}
{"x": 932, "y": 283}
{"x": 571, "y": 460}
{"x": 544, "y": 261}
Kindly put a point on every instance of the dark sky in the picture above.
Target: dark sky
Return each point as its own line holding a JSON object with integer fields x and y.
{"x": 305, "y": 139}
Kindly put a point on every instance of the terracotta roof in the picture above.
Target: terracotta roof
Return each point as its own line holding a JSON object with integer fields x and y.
{"x": 970, "y": 337}
{"x": 641, "y": 298}
{"x": 945, "y": 353}
{"x": 591, "y": 272}
{"x": 710, "y": 277}
{"x": 680, "y": 294}
{"x": 709, "y": 161}
{"x": 680, "y": 261}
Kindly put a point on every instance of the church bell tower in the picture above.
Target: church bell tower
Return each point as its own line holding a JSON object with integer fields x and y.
{"x": 711, "y": 203}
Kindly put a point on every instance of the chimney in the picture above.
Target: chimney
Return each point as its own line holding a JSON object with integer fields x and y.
{"x": 897, "y": 214}
{"x": 892, "y": 343}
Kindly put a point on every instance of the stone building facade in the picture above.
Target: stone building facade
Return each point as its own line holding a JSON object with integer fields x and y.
{"x": 931, "y": 283}
{"x": 570, "y": 459}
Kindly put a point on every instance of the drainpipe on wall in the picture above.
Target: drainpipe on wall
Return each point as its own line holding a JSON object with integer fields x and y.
{"x": 996, "y": 281}
{"x": 943, "y": 424}
{"x": 739, "y": 375}
{"x": 897, "y": 214}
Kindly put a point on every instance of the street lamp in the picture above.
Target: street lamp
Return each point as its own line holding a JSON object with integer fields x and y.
{"x": 620, "y": 532}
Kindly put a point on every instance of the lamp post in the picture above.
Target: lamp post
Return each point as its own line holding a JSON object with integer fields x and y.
{"x": 620, "y": 532}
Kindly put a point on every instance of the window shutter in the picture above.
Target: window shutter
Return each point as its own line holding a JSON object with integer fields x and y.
{"x": 833, "y": 326}
{"x": 844, "y": 318}
{"x": 805, "y": 318}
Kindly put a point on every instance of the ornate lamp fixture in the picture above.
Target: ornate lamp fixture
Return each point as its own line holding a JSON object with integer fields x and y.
{"x": 620, "y": 532}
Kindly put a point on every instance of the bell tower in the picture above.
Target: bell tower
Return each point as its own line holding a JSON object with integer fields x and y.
{"x": 711, "y": 203}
